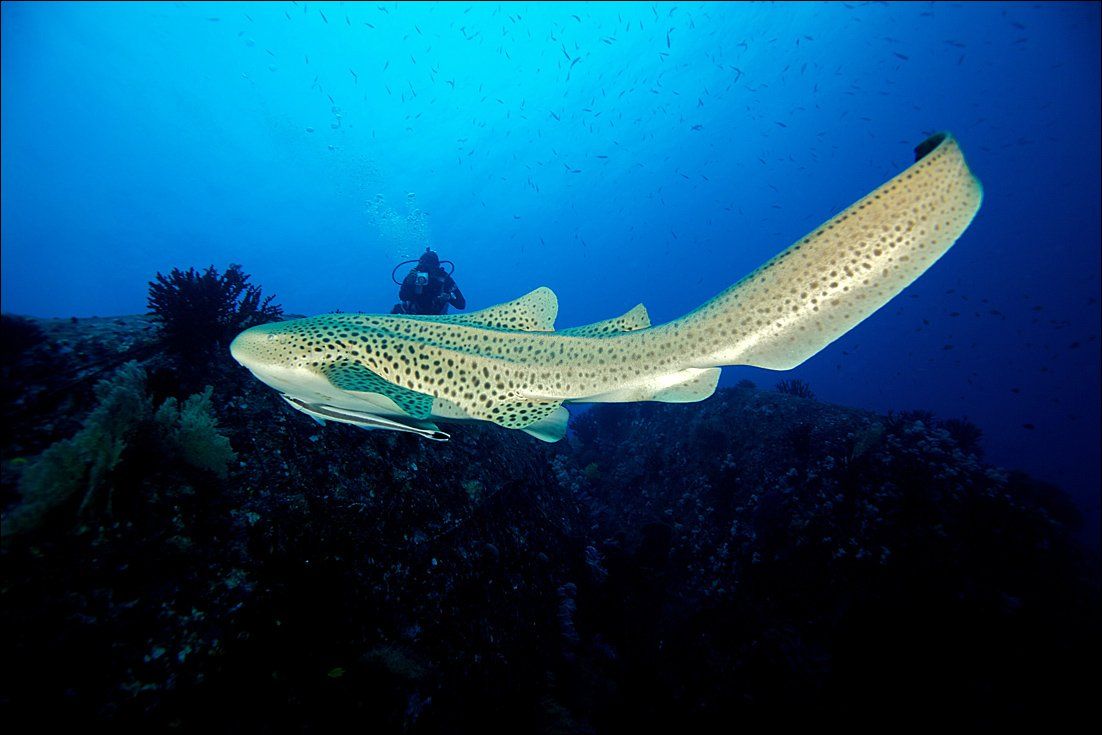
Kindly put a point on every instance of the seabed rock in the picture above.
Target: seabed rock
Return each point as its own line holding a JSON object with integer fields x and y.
{"x": 755, "y": 559}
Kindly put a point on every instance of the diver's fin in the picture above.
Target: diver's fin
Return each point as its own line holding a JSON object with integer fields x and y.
{"x": 533, "y": 312}
{"x": 551, "y": 427}
{"x": 637, "y": 318}
{"x": 352, "y": 376}
{"x": 685, "y": 386}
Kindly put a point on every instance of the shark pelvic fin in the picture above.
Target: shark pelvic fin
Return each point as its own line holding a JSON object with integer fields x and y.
{"x": 551, "y": 428}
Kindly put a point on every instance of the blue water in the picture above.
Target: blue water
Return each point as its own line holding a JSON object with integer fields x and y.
{"x": 617, "y": 153}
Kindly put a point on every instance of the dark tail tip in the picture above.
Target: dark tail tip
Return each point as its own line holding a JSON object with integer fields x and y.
{"x": 923, "y": 149}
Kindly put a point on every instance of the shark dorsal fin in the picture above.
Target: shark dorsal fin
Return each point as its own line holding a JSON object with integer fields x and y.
{"x": 535, "y": 311}
{"x": 637, "y": 318}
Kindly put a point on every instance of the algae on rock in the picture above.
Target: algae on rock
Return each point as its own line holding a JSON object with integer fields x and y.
{"x": 85, "y": 461}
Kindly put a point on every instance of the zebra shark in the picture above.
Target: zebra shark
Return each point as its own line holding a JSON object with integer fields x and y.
{"x": 507, "y": 364}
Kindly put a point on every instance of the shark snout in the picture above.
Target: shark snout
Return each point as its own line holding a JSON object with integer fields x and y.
{"x": 247, "y": 347}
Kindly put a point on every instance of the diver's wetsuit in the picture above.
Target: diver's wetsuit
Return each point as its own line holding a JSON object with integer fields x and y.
{"x": 431, "y": 298}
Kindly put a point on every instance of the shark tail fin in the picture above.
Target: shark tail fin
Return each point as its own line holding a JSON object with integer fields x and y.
{"x": 824, "y": 285}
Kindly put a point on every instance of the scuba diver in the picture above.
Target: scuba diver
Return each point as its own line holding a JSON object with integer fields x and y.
{"x": 427, "y": 288}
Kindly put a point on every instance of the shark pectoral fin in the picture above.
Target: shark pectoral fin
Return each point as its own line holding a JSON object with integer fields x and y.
{"x": 354, "y": 377}
{"x": 685, "y": 386}
{"x": 535, "y": 311}
{"x": 550, "y": 428}
{"x": 637, "y": 318}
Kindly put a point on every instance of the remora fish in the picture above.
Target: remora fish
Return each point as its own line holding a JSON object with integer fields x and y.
{"x": 507, "y": 365}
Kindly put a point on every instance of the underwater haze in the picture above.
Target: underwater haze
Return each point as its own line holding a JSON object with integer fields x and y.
{"x": 616, "y": 152}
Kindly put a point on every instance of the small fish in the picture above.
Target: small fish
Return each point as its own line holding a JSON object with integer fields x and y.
{"x": 354, "y": 76}
{"x": 323, "y": 17}
{"x": 901, "y": 56}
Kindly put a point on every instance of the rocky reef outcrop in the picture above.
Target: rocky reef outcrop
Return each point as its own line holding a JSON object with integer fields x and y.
{"x": 758, "y": 559}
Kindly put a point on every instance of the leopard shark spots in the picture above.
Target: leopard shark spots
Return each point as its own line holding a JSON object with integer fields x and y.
{"x": 507, "y": 364}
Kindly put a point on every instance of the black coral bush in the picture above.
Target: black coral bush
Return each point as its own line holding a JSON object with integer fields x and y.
{"x": 200, "y": 312}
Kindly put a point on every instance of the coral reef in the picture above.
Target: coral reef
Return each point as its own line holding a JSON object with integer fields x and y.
{"x": 83, "y": 465}
{"x": 758, "y": 558}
